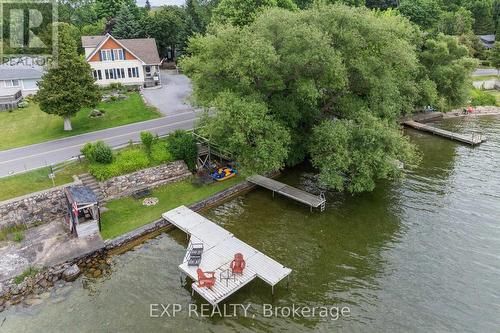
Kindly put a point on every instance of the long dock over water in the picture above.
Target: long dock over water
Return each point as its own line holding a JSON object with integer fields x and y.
{"x": 313, "y": 201}
{"x": 474, "y": 139}
{"x": 219, "y": 247}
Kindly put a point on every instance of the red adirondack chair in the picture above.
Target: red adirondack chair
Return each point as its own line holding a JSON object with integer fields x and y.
{"x": 238, "y": 264}
{"x": 205, "y": 279}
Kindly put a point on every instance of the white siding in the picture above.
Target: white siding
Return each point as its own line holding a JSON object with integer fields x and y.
{"x": 125, "y": 64}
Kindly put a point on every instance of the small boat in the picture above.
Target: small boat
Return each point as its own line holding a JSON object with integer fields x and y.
{"x": 223, "y": 174}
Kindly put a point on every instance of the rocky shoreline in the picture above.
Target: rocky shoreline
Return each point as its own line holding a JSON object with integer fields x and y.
{"x": 94, "y": 265}
{"x": 34, "y": 288}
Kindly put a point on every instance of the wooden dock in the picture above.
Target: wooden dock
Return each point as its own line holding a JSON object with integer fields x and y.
{"x": 474, "y": 139}
{"x": 313, "y": 201}
{"x": 219, "y": 247}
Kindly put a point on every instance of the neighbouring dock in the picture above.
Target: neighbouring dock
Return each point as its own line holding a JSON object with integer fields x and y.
{"x": 474, "y": 139}
{"x": 219, "y": 247}
{"x": 313, "y": 201}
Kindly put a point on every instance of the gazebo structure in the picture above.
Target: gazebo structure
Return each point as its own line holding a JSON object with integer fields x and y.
{"x": 83, "y": 211}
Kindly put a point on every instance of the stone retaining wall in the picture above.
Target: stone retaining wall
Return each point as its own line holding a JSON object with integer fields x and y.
{"x": 126, "y": 185}
{"x": 41, "y": 207}
{"x": 48, "y": 205}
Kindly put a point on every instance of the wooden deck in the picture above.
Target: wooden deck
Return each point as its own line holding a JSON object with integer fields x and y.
{"x": 473, "y": 139}
{"x": 219, "y": 248}
{"x": 314, "y": 201}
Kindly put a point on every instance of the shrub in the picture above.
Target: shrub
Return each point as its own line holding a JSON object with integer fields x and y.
{"x": 98, "y": 152}
{"x": 17, "y": 236}
{"x": 160, "y": 153}
{"x": 22, "y": 104}
{"x": 182, "y": 145}
{"x": 126, "y": 161}
{"x": 479, "y": 97}
{"x": 28, "y": 272}
{"x": 147, "y": 139}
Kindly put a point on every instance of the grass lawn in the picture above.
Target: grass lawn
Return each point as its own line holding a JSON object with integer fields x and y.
{"x": 27, "y": 126}
{"x": 127, "y": 214}
{"x": 37, "y": 180}
{"x": 484, "y": 77}
{"x": 495, "y": 93}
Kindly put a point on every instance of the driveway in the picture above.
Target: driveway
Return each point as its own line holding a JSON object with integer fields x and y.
{"x": 171, "y": 97}
{"x": 485, "y": 71}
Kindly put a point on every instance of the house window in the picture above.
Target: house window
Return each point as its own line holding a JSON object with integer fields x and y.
{"x": 94, "y": 72}
{"x": 106, "y": 55}
{"x": 12, "y": 83}
{"x": 118, "y": 54}
{"x": 111, "y": 74}
{"x": 129, "y": 72}
{"x": 106, "y": 73}
{"x": 122, "y": 71}
{"x": 99, "y": 74}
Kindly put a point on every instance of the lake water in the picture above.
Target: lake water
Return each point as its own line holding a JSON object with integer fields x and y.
{"x": 418, "y": 255}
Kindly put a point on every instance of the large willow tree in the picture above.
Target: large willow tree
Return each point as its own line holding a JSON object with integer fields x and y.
{"x": 328, "y": 84}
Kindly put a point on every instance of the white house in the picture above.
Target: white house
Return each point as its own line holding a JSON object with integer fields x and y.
{"x": 18, "y": 79}
{"x": 126, "y": 61}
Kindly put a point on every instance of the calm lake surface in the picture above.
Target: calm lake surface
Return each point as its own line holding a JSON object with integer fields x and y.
{"x": 418, "y": 255}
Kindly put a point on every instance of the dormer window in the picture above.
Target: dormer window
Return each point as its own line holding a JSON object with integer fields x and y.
{"x": 118, "y": 54}
{"x": 111, "y": 55}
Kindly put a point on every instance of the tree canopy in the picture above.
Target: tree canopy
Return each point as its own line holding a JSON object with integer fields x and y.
{"x": 330, "y": 79}
{"x": 68, "y": 85}
{"x": 243, "y": 12}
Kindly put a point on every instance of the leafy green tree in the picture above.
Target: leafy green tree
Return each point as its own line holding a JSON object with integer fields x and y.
{"x": 245, "y": 127}
{"x": 353, "y": 153}
{"x": 95, "y": 29}
{"x": 288, "y": 72}
{"x": 483, "y": 16}
{"x": 147, "y": 5}
{"x": 170, "y": 26}
{"x": 382, "y": 4}
{"x": 193, "y": 10}
{"x": 425, "y": 13}
{"x": 447, "y": 64}
{"x": 127, "y": 24}
{"x": 456, "y": 23}
{"x": 243, "y": 12}
{"x": 494, "y": 57}
{"x": 68, "y": 85}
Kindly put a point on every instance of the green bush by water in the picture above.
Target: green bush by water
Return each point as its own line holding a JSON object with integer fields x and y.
{"x": 480, "y": 98}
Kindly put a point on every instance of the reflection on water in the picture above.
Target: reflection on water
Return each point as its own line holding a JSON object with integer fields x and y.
{"x": 422, "y": 254}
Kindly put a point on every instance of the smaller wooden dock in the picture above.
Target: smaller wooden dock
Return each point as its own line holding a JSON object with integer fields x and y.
{"x": 313, "y": 201}
{"x": 474, "y": 139}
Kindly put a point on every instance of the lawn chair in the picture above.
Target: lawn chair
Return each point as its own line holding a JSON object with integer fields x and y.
{"x": 238, "y": 264}
{"x": 195, "y": 253}
{"x": 205, "y": 279}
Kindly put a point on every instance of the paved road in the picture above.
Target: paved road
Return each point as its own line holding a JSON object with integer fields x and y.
{"x": 46, "y": 153}
{"x": 485, "y": 71}
{"x": 170, "y": 99}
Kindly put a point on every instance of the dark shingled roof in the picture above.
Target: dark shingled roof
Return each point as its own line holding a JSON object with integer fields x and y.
{"x": 144, "y": 48}
{"x": 81, "y": 194}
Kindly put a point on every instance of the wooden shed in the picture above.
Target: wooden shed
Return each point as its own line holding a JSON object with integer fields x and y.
{"x": 84, "y": 217}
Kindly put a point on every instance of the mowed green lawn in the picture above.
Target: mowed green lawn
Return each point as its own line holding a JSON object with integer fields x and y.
{"x": 127, "y": 214}
{"x": 37, "y": 180}
{"x": 27, "y": 126}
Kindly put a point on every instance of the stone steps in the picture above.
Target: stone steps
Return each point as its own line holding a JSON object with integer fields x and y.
{"x": 89, "y": 181}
